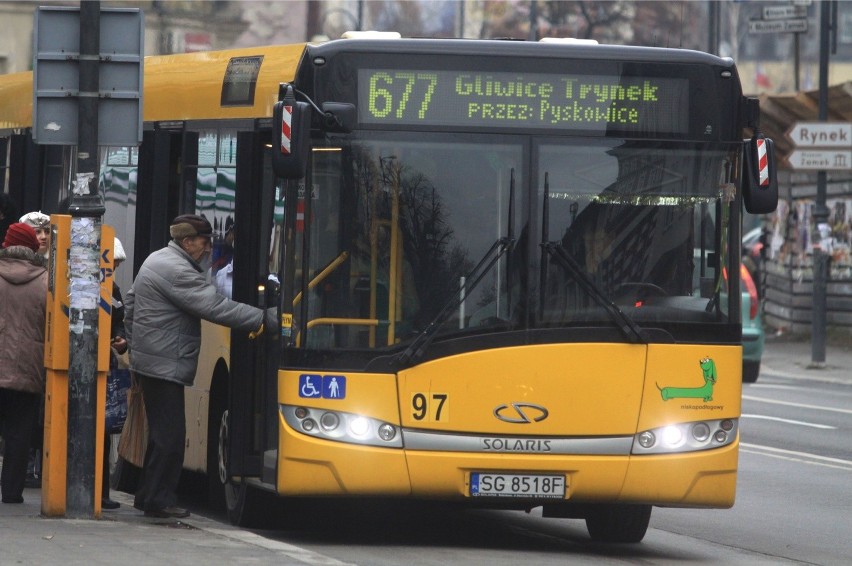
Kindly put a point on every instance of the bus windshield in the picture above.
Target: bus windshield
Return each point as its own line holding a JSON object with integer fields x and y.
{"x": 398, "y": 222}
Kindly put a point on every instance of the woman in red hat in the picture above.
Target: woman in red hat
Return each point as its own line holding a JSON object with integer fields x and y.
{"x": 23, "y": 297}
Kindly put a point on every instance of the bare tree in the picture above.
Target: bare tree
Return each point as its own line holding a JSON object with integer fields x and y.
{"x": 624, "y": 22}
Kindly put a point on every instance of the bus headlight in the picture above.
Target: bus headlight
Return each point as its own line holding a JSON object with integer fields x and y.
{"x": 646, "y": 439}
{"x": 341, "y": 427}
{"x": 686, "y": 437}
{"x": 329, "y": 421}
{"x": 387, "y": 432}
{"x": 359, "y": 426}
{"x": 700, "y": 432}
{"x": 672, "y": 436}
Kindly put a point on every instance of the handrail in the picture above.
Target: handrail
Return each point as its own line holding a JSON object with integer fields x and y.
{"x": 331, "y": 320}
{"x": 319, "y": 277}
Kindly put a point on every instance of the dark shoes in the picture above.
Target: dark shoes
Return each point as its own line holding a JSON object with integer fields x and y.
{"x": 18, "y": 499}
{"x": 32, "y": 481}
{"x": 107, "y": 503}
{"x": 168, "y": 513}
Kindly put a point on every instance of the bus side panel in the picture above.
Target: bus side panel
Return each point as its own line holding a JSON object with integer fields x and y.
{"x": 695, "y": 479}
{"x": 685, "y": 384}
{"x": 310, "y": 466}
{"x": 215, "y": 345}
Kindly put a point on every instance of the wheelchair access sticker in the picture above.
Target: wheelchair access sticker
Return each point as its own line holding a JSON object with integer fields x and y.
{"x": 313, "y": 386}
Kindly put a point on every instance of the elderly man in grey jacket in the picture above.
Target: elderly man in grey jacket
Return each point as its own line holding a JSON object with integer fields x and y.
{"x": 163, "y": 312}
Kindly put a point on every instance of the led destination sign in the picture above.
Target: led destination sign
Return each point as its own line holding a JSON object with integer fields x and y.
{"x": 645, "y": 105}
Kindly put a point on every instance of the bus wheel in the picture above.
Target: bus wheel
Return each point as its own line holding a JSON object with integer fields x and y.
{"x": 751, "y": 370}
{"x": 618, "y": 523}
{"x": 218, "y": 414}
{"x": 241, "y": 501}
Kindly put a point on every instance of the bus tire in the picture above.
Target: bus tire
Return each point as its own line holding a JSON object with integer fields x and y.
{"x": 618, "y": 523}
{"x": 244, "y": 504}
{"x": 751, "y": 370}
{"x": 216, "y": 412}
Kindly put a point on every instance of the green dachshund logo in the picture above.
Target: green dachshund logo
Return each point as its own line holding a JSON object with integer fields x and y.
{"x": 705, "y": 392}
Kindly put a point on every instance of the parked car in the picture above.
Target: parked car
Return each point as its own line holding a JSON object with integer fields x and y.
{"x": 753, "y": 333}
{"x": 753, "y": 336}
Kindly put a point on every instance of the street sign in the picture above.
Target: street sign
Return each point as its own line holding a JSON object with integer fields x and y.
{"x": 821, "y": 134}
{"x": 798, "y": 25}
{"x": 56, "y": 80}
{"x": 821, "y": 160}
{"x": 784, "y": 12}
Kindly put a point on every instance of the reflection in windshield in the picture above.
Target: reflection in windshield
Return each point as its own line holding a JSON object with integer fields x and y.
{"x": 636, "y": 223}
{"x": 418, "y": 217}
{"x": 394, "y": 224}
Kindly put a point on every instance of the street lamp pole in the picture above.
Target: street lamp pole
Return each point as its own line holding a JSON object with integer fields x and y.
{"x": 820, "y": 214}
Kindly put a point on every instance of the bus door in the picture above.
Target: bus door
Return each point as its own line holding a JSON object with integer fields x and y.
{"x": 258, "y": 219}
{"x": 34, "y": 173}
{"x": 165, "y": 158}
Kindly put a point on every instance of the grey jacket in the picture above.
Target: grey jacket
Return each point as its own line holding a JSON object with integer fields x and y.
{"x": 163, "y": 312}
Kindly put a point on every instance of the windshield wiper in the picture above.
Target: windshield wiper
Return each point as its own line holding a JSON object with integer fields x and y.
{"x": 495, "y": 252}
{"x": 556, "y": 250}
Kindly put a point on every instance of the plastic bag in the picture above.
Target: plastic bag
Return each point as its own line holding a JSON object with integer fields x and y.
{"x": 118, "y": 384}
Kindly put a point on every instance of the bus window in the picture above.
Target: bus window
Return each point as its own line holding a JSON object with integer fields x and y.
{"x": 215, "y": 191}
{"x": 640, "y": 223}
{"x": 393, "y": 244}
{"x": 118, "y": 184}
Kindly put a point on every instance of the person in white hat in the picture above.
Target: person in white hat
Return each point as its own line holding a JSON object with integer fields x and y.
{"x": 39, "y": 222}
{"x": 119, "y": 344}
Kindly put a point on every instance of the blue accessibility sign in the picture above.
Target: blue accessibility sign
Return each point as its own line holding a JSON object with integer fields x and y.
{"x": 314, "y": 386}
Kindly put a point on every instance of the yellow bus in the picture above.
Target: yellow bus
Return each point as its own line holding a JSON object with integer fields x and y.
{"x": 502, "y": 268}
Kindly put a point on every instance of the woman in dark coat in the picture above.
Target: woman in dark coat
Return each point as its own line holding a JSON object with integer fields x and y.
{"x": 23, "y": 298}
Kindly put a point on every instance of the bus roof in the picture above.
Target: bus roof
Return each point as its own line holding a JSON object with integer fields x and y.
{"x": 505, "y": 48}
{"x": 189, "y": 86}
{"x": 16, "y": 100}
{"x": 179, "y": 87}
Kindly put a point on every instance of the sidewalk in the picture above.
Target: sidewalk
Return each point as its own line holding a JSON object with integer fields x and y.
{"x": 125, "y": 536}
{"x": 791, "y": 357}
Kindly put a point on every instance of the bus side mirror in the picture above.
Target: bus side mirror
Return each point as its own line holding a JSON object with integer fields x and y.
{"x": 760, "y": 180}
{"x": 291, "y": 139}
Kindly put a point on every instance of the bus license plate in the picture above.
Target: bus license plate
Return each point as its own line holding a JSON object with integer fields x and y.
{"x": 517, "y": 485}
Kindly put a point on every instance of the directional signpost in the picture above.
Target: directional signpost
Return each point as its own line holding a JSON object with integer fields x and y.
{"x": 781, "y": 19}
{"x": 820, "y": 160}
{"x": 799, "y": 25}
{"x": 821, "y": 146}
{"x": 821, "y": 134}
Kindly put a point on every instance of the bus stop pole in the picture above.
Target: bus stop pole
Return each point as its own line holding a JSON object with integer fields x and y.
{"x": 86, "y": 209}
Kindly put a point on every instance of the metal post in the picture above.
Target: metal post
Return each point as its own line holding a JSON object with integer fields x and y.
{"x": 713, "y": 27}
{"x": 86, "y": 210}
{"x": 797, "y": 64}
{"x": 533, "y": 20}
{"x": 820, "y": 214}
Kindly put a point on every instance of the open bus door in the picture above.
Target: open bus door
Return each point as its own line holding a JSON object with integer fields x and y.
{"x": 252, "y": 401}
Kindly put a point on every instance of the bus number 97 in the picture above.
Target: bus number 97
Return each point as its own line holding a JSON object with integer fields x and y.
{"x": 434, "y": 407}
{"x": 396, "y": 92}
